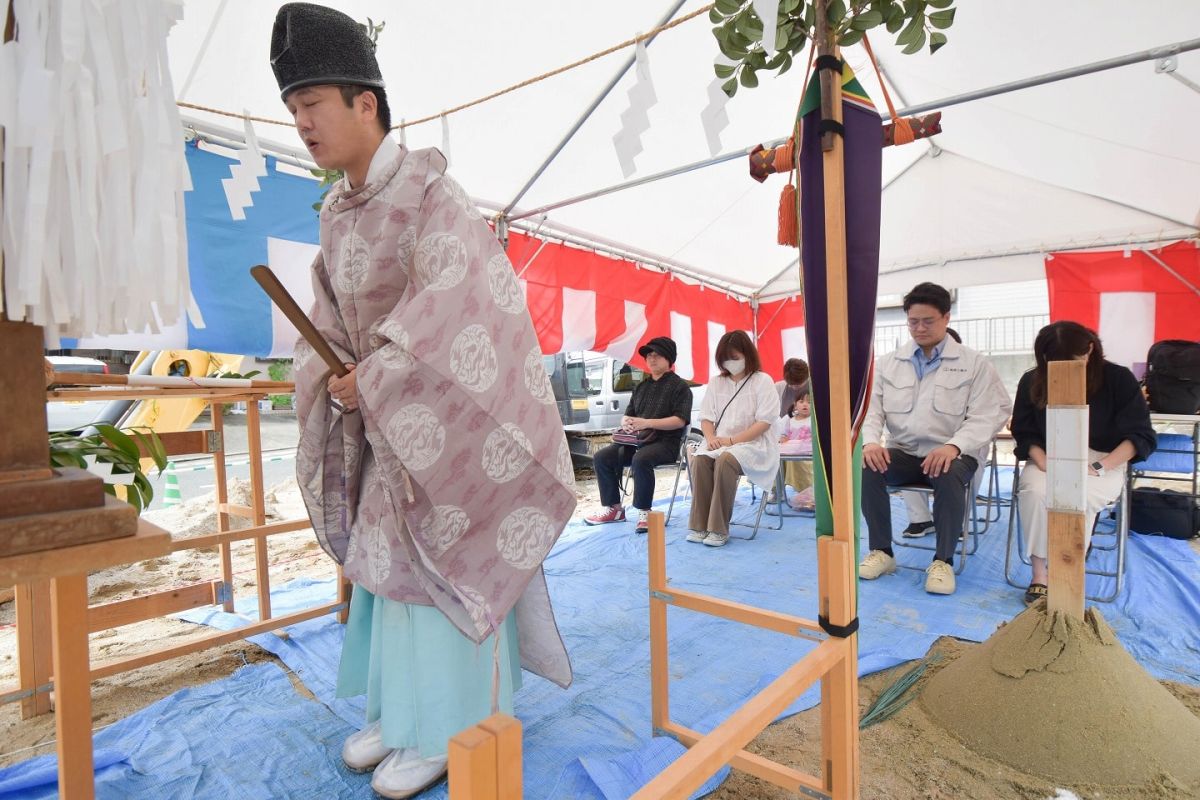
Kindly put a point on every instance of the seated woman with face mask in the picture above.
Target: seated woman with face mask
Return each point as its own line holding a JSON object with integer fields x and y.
{"x": 739, "y": 409}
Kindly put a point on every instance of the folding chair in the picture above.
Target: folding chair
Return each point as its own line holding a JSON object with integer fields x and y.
{"x": 970, "y": 525}
{"x": 1120, "y": 509}
{"x": 781, "y": 488}
{"x": 680, "y": 465}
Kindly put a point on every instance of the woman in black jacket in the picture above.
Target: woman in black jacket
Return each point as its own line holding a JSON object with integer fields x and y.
{"x": 1118, "y": 431}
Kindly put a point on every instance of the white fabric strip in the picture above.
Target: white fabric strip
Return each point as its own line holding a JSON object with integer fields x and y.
{"x": 1127, "y": 326}
{"x": 578, "y": 319}
{"x": 681, "y": 332}
{"x": 1066, "y": 458}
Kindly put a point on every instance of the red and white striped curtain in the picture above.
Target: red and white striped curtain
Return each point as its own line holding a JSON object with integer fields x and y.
{"x": 580, "y": 300}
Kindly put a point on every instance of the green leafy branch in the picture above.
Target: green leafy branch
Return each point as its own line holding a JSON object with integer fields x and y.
{"x": 118, "y": 448}
{"x": 739, "y": 31}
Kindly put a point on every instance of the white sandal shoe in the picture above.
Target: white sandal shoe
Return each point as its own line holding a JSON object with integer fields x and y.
{"x": 363, "y": 750}
{"x": 404, "y": 773}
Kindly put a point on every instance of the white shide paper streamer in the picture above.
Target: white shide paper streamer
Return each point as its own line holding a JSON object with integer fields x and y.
{"x": 636, "y": 119}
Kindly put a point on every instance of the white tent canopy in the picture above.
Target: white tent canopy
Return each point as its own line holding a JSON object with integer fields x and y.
{"x": 1099, "y": 160}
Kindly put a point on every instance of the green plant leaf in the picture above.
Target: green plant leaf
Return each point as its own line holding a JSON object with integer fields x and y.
{"x": 942, "y": 19}
{"x": 731, "y": 52}
{"x": 728, "y": 7}
{"x": 915, "y": 27}
{"x": 749, "y": 78}
{"x": 789, "y": 6}
{"x": 715, "y": 15}
{"x": 810, "y": 16}
{"x": 749, "y": 25}
{"x": 940, "y": 3}
{"x": 757, "y": 58}
{"x": 739, "y": 40}
{"x": 895, "y": 18}
{"x": 721, "y": 33}
{"x": 119, "y": 439}
{"x": 866, "y": 20}
{"x": 724, "y": 70}
{"x": 936, "y": 40}
{"x": 835, "y": 12}
{"x": 729, "y": 87}
{"x": 916, "y": 44}
{"x": 776, "y": 60}
{"x": 787, "y": 63}
{"x": 850, "y": 37}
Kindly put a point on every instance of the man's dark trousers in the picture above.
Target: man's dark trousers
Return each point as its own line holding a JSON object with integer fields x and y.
{"x": 609, "y": 461}
{"x": 949, "y": 499}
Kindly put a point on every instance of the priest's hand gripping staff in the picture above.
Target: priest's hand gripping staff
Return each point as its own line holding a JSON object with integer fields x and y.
{"x": 280, "y": 297}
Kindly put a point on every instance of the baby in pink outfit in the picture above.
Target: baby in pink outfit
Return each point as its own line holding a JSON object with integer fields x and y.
{"x": 796, "y": 440}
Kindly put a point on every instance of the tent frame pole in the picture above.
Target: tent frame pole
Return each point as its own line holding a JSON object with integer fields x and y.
{"x": 612, "y": 84}
{"x": 979, "y": 94}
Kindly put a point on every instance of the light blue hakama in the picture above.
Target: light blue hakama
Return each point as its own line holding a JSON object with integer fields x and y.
{"x": 422, "y": 677}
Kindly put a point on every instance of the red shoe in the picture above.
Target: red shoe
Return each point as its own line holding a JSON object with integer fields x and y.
{"x": 606, "y": 515}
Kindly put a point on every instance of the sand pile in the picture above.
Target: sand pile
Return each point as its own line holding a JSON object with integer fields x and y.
{"x": 1061, "y": 698}
{"x": 198, "y": 515}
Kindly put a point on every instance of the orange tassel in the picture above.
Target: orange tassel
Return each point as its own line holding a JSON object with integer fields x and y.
{"x": 785, "y": 156}
{"x": 789, "y": 218}
{"x": 902, "y": 131}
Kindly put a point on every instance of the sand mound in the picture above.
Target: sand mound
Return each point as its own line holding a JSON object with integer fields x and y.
{"x": 1061, "y": 698}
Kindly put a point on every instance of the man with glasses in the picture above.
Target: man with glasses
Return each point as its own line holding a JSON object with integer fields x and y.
{"x": 942, "y": 403}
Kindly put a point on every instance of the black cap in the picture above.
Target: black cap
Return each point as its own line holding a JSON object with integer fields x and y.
{"x": 313, "y": 45}
{"x": 662, "y": 345}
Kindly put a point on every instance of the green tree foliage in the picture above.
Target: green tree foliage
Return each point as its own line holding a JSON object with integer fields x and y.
{"x": 739, "y": 31}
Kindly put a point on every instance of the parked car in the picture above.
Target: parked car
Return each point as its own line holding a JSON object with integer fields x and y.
{"x": 70, "y": 415}
{"x": 609, "y": 384}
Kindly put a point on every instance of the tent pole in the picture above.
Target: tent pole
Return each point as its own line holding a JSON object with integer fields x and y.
{"x": 675, "y": 6}
{"x": 1004, "y": 88}
{"x": 1172, "y": 272}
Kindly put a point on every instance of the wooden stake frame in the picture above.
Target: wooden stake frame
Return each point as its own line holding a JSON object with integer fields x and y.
{"x": 34, "y": 639}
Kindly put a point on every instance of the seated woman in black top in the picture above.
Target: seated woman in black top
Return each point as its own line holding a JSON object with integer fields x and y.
{"x": 659, "y": 410}
{"x": 1118, "y": 431}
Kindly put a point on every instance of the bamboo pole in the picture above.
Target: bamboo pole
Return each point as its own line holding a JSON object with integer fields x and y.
{"x": 839, "y": 690}
{"x": 1066, "y": 482}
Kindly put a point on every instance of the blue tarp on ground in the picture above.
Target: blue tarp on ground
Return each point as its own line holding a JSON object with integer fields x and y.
{"x": 593, "y": 740}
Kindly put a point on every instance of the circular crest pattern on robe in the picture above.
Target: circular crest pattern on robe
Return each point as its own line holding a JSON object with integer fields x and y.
{"x": 506, "y": 453}
{"x": 441, "y": 261}
{"x": 417, "y": 435}
{"x": 525, "y": 536}
{"x": 506, "y": 289}
{"x": 537, "y": 382}
{"x": 473, "y": 358}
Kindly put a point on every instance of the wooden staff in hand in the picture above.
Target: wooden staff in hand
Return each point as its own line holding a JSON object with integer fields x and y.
{"x": 341, "y": 383}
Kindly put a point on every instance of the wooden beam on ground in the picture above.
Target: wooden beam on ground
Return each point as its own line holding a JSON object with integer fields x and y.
{"x": 793, "y": 780}
{"x": 1066, "y": 484}
{"x": 182, "y": 443}
{"x": 345, "y": 593}
{"x": 116, "y": 667}
{"x": 659, "y": 653}
{"x": 227, "y": 537}
{"x": 748, "y": 615}
{"x": 151, "y": 606}
{"x": 688, "y": 772}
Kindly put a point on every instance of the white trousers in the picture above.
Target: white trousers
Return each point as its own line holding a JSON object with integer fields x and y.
{"x": 917, "y": 504}
{"x": 1031, "y": 501}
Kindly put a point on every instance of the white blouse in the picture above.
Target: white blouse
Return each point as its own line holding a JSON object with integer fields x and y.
{"x": 738, "y": 410}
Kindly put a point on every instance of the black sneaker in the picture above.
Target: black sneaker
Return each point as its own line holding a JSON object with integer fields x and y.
{"x": 917, "y": 529}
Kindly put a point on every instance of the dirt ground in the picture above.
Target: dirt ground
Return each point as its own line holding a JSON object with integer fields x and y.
{"x": 905, "y": 758}
{"x": 911, "y": 757}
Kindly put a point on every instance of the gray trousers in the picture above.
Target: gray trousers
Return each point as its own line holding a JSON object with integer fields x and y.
{"x": 714, "y": 484}
{"x": 949, "y": 499}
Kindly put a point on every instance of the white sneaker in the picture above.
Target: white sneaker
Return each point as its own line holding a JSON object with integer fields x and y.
{"x": 939, "y": 578}
{"x": 875, "y": 564}
{"x": 697, "y": 536}
{"x": 643, "y": 521}
{"x": 715, "y": 539}
{"x": 402, "y": 775}
{"x": 363, "y": 750}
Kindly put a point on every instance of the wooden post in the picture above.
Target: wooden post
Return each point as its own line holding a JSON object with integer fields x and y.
{"x": 72, "y": 687}
{"x": 34, "y": 647}
{"x": 839, "y": 690}
{"x": 507, "y": 732}
{"x": 261, "y": 564}
{"x": 1066, "y": 484}
{"x": 659, "y": 668}
{"x": 217, "y": 410}
{"x": 472, "y": 763}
